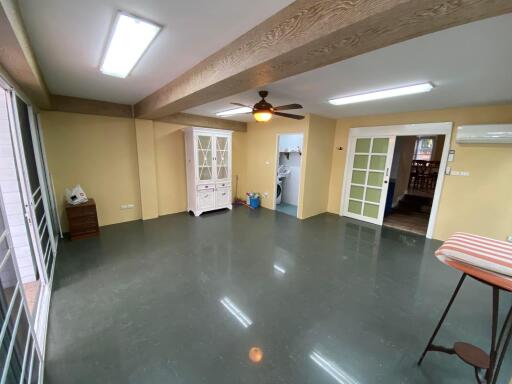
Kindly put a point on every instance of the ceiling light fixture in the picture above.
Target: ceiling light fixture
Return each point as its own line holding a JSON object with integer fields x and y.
{"x": 129, "y": 39}
{"x": 262, "y": 116}
{"x": 235, "y": 111}
{"x": 394, "y": 92}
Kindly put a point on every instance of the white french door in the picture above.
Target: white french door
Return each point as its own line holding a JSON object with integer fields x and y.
{"x": 369, "y": 162}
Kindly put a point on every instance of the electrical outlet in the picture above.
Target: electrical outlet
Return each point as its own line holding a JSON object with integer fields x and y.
{"x": 127, "y": 206}
{"x": 265, "y": 194}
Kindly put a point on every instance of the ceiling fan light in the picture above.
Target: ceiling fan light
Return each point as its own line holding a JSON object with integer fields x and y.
{"x": 262, "y": 116}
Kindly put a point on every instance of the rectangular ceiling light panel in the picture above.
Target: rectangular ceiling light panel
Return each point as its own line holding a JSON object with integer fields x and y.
{"x": 401, "y": 91}
{"x": 235, "y": 111}
{"x": 130, "y": 38}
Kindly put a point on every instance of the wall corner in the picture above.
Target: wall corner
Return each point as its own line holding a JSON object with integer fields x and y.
{"x": 145, "y": 135}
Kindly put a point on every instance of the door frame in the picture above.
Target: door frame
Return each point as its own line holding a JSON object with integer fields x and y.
{"x": 276, "y": 165}
{"x": 441, "y": 128}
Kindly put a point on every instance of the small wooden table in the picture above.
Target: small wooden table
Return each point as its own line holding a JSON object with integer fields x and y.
{"x": 83, "y": 220}
{"x": 468, "y": 254}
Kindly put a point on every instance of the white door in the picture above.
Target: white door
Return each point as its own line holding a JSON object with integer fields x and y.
{"x": 36, "y": 205}
{"x": 204, "y": 158}
{"x": 367, "y": 180}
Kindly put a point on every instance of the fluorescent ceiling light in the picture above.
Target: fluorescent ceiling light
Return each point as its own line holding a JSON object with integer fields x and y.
{"x": 129, "y": 40}
{"x": 236, "y": 312}
{"x": 402, "y": 91}
{"x": 236, "y": 111}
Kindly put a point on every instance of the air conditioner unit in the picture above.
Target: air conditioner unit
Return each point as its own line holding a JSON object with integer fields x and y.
{"x": 485, "y": 134}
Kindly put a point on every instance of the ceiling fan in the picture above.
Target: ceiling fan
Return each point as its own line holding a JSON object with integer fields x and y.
{"x": 263, "y": 111}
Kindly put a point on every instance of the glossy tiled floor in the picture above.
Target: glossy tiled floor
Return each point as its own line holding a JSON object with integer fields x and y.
{"x": 288, "y": 209}
{"x": 182, "y": 300}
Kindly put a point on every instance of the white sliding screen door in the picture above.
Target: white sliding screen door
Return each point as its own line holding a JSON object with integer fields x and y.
{"x": 367, "y": 180}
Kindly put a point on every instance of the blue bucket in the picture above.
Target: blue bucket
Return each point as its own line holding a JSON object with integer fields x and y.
{"x": 255, "y": 202}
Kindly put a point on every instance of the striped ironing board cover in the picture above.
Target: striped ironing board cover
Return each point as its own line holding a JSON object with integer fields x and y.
{"x": 486, "y": 259}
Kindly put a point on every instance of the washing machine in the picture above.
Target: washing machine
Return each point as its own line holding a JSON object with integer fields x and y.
{"x": 279, "y": 192}
{"x": 282, "y": 173}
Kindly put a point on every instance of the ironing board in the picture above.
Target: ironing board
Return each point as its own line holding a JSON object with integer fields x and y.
{"x": 490, "y": 262}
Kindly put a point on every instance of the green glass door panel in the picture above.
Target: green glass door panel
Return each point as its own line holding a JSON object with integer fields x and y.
{"x": 361, "y": 161}
{"x": 357, "y": 192}
{"x": 371, "y": 210}
{"x": 373, "y": 195}
{"x": 355, "y": 207}
{"x": 376, "y": 179}
{"x": 358, "y": 177}
{"x": 378, "y": 162}
{"x": 380, "y": 145}
{"x": 365, "y": 190}
{"x": 363, "y": 145}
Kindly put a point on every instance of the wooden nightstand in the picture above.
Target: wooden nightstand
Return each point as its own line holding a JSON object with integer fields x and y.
{"x": 83, "y": 220}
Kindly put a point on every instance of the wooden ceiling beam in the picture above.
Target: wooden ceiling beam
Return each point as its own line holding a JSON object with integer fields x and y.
{"x": 17, "y": 58}
{"x": 204, "y": 121}
{"x": 89, "y": 107}
{"x": 306, "y": 35}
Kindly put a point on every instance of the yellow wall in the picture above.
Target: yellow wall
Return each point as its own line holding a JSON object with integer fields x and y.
{"x": 101, "y": 154}
{"x": 239, "y": 164}
{"x": 316, "y": 170}
{"x": 261, "y": 141}
{"x": 170, "y": 168}
{"x": 122, "y": 161}
{"x": 98, "y": 152}
{"x": 477, "y": 203}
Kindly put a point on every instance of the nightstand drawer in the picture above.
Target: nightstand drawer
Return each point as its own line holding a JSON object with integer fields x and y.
{"x": 84, "y": 222}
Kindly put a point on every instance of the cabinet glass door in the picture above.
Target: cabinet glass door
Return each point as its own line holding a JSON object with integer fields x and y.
{"x": 367, "y": 184}
{"x": 222, "y": 157}
{"x": 204, "y": 149}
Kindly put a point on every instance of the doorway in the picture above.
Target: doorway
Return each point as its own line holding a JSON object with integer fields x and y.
{"x": 288, "y": 166}
{"x": 413, "y": 180}
{"x": 377, "y": 156}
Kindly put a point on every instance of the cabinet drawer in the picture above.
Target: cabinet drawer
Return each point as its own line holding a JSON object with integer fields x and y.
{"x": 202, "y": 187}
{"x": 81, "y": 211}
{"x": 222, "y": 197}
{"x": 83, "y": 223}
{"x": 225, "y": 184}
{"x": 205, "y": 199}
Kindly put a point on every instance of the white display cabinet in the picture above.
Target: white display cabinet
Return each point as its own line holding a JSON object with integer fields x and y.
{"x": 208, "y": 161}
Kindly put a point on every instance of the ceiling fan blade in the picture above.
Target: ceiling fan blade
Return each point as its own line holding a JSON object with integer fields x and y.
{"x": 289, "y": 115}
{"x": 288, "y": 106}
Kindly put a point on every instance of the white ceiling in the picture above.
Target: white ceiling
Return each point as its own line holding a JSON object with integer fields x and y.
{"x": 69, "y": 36}
{"x": 469, "y": 65}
